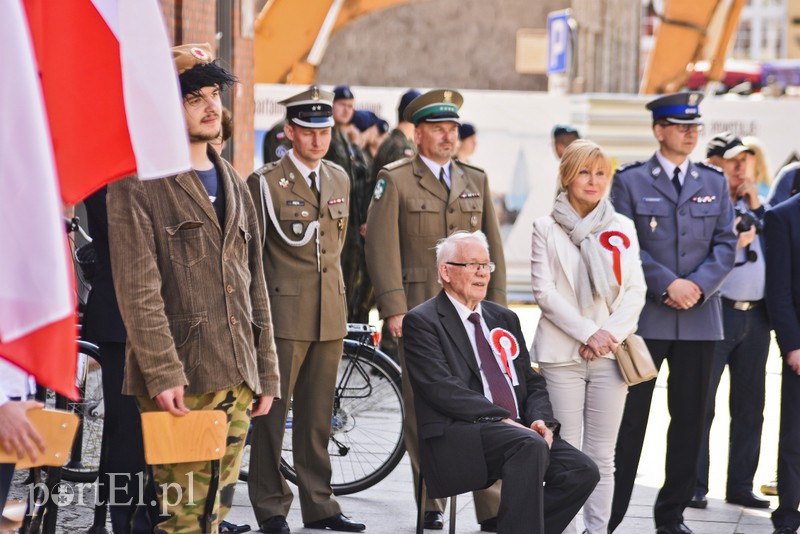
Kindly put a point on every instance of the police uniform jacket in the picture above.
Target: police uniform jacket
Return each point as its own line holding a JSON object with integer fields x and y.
{"x": 410, "y": 212}
{"x": 307, "y": 304}
{"x": 190, "y": 290}
{"x": 688, "y": 236}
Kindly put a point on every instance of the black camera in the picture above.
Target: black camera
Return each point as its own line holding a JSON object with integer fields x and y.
{"x": 748, "y": 221}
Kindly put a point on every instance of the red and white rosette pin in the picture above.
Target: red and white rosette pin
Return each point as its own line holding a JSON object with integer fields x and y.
{"x": 615, "y": 241}
{"x": 506, "y": 345}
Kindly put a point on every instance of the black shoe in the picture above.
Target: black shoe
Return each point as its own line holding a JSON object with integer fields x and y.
{"x": 490, "y": 525}
{"x": 698, "y": 500}
{"x": 748, "y": 500}
{"x": 275, "y": 525}
{"x": 433, "y": 521}
{"x": 337, "y": 522}
{"x": 784, "y": 530}
{"x": 674, "y": 528}
{"x": 226, "y": 527}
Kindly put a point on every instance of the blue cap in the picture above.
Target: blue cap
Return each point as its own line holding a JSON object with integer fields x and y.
{"x": 678, "y": 108}
{"x": 342, "y": 92}
{"x": 465, "y": 130}
{"x": 405, "y": 100}
{"x": 383, "y": 126}
{"x": 363, "y": 119}
{"x": 565, "y": 129}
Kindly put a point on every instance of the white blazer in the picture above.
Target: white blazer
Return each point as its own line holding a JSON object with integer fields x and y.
{"x": 563, "y": 326}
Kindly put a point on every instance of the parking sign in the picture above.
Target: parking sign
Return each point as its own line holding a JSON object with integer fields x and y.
{"x": 557, "y": 41}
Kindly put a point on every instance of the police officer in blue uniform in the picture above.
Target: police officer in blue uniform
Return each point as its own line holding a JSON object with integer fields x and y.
{"x": 684, "y": 221}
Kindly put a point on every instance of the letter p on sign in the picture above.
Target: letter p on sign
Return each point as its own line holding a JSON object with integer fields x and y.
{"x": 557, "y": 41}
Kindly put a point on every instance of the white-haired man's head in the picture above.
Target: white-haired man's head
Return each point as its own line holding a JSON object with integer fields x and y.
{"x": 464, "y": 266}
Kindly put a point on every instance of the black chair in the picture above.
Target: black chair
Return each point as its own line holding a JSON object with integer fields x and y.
{"x": 422, "y": 496}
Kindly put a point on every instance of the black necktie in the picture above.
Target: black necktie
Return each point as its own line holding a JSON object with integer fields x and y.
{"x": 444, "y": 182}
{"x": 498, "y": 385}
{"x": 313, "y": 177}
{"x": 676, "y": 182}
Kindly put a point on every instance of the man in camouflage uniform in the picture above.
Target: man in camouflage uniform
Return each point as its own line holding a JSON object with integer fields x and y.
{"x": 192, "y": 295}
{"x": 418, "y": 201}
{"x": 303, "y": 205}
{"x": 276, "y": 144}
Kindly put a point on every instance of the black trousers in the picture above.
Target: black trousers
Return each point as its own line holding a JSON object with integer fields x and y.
{"x": 787, "y": 515}
{"x": 122, "y": 439}
{"x": 523, "y": 462}
{"x": 687, "y": 396}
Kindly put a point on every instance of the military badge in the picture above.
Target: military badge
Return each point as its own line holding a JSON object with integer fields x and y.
{"x": 304, "y": 213}
{"x": 473, "y": 220}
{"x": 704, "y": 200}
{"x": 291, "y": 175}
{"x": 341, "y": 224}
{"x": 295, "y": 203}
{"x": 281, "y": 151}
{"x": 653, "y": 224}
{"x": 469, "y": 195}
{"x": 692, "y": 101}
{"x": 339, "y": 200}
{"x": 408, "y": 152}
{"x": 448, "y": 96}
{"x": 694, "y": 173}
{"x": 656, "y": 171}
{"x": 199, "y": 53}
{"x": 315, "y": 93}
{"x": 283, "y": 182}
{"x": 280, "y": 136}
{"x": 297, "y": 228}
{"x": 380, "y": 187}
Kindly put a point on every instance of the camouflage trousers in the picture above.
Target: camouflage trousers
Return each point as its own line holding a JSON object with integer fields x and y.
{"x": 185, "y": 506}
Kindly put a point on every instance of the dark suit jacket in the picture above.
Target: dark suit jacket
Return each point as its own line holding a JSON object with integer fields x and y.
{"x": 782, "y": 236}
{"x": 102, "y": 322}
{"x": 448, "y": 393}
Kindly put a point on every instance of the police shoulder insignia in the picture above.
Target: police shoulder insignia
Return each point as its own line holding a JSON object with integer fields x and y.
{"x": 380, "y": 188}
{"x": 631, "y": 165}
{"x": 281, "y": 151}
{"x": 469, "y": 165}
{"x": 709, "y": 166}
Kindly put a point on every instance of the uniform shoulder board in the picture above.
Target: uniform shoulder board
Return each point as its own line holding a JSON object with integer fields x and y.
{"x": 396, "y": 164}
{"x": 709, "y": 166}
{"x": 631, "y": 165}
{"x": 334, "y": 166}
{"x": 264, "y": 169}
{"x": 469, "y": 166}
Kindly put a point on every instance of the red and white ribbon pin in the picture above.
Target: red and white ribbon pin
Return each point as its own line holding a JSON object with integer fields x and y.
{"x": 615, "y": 241}
{"x": 506, "y": 345}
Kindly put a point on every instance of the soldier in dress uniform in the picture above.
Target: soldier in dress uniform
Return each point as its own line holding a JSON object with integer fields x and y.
{"x": 302, "y": 203}
{"x": 418, "y": 201}
{"x": 684, "y": 221}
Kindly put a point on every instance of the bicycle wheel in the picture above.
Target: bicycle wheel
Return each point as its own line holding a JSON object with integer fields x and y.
{"x": 366, "y": 440}
{"x": 84, "y": 461}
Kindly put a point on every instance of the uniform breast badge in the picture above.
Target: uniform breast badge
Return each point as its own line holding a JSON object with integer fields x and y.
{"x": 380, "y": 187}
{"x": 653, "y": 224}
{"x": 297, "y": 228}
{"x": 283, "y": 182}
{"x": 473, "y": 220}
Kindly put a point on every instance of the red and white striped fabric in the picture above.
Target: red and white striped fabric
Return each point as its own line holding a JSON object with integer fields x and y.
{"x": 105, "y": 104}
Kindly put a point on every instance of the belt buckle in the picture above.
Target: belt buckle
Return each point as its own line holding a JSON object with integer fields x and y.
{"x": 742, "y": 305}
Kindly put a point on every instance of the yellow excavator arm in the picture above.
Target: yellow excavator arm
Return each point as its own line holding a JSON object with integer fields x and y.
{"x": 690, "y": 30}
{"x": 291, "y": 35}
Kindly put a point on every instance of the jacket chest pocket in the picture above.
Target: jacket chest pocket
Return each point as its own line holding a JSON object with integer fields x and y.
{"x": 654, "y": 220}
{"x": 471, "y": 214}
{"x": 424, "y": 216}
{"x": 294, "y": 220}
{"x": 704, "y": 219}
{"x": 186, "y": 243}
{"x": 339, "y": 215}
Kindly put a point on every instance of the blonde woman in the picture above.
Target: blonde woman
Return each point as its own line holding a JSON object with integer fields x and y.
{"x": 587, "y": 279}
{"x": 760, "y": 170}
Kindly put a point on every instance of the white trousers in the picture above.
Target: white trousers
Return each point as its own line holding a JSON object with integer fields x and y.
{"x": 588, "y": 399}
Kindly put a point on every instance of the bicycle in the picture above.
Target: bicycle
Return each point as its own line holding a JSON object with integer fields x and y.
{"x": 366, "y": 441}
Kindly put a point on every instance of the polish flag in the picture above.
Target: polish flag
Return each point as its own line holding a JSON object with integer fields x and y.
{"x": 111, "y": 91}
{"x": 91, "y": 95}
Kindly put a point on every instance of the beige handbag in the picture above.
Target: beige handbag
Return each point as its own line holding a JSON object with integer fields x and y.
{"x": 635, "y": 362}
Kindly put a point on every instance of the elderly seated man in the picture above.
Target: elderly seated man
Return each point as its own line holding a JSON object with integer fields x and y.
{"x": 483, "y": 414}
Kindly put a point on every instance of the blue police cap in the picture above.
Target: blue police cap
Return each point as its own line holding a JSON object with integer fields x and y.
{"x": 678, "y": 108}
{"x": 383, "y": 126}
{"x": 342, "y": 92}
{"x": 363, "y": 119}
{"x": 466, "y": 130}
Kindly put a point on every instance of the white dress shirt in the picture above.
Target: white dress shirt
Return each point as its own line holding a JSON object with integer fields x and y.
{"x": 669, "y": 167}
{"x": 436, "y": 169}
{"x": 305, "y": 171}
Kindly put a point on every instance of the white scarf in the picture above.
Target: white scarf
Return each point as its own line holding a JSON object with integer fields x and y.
{"x": 595, "y": 273}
